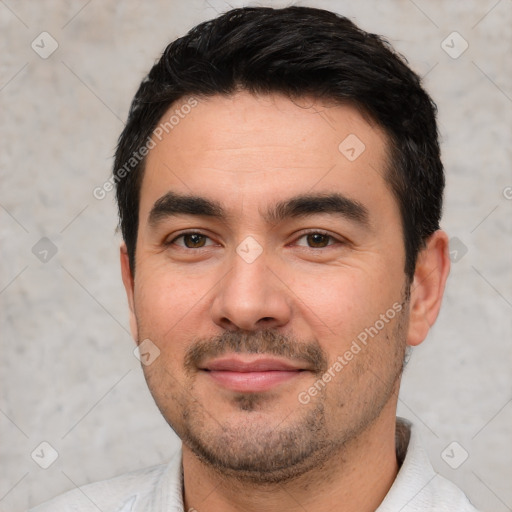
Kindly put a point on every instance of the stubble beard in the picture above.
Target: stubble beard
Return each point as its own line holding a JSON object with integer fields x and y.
{"x": 255, "y": 451}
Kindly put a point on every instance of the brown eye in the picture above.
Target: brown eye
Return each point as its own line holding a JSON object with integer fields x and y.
{"x": 191, "y": 241}
{"x": 194, "y": 240}
{"x": 318, "y": 240}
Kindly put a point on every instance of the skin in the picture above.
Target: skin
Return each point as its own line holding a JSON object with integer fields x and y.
{"x": 266, "y": 450}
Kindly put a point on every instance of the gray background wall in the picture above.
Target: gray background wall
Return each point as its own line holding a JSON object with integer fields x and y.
{"x": 69, "y": 377}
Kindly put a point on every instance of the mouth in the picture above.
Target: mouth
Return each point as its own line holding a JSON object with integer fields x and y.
{"x": 251, "y": 374}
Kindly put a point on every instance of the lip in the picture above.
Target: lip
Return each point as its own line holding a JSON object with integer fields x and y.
{"x": 251, "y": 374}
{"x": 250, "y": 364}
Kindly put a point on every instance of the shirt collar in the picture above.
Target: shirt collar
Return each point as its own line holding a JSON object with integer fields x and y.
{"x": 415, "y": 473}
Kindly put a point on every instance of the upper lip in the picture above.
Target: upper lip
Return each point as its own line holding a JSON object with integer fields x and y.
{"x": 259, "y": 364}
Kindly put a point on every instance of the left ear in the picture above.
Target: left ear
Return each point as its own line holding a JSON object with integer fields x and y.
{"x": 427, "y": 288}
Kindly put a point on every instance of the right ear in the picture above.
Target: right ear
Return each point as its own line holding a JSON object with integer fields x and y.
{"x": 128, "y": 282}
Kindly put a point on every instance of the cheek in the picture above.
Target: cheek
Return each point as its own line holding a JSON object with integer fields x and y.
{"x": 165, "y": 301}
{"x": 340, "y": 304}
{"x": 336, "y": 301}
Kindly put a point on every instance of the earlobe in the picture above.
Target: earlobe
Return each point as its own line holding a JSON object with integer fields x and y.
{"x": 432, "y": 269}
{"x": 129, "y": 286}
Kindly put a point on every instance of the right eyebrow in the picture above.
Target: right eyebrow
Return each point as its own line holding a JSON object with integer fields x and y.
{"x": 172, "y": 204}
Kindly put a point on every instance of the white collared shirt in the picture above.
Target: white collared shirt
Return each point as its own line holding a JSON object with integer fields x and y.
{"x": 417, "y": 487}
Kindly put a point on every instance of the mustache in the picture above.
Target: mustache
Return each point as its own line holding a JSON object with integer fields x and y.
{"x": 266, "y": 341}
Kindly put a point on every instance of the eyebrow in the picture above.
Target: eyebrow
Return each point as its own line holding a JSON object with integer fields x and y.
{"x": 173, "y": 204}
{"x": 311, "y": 204}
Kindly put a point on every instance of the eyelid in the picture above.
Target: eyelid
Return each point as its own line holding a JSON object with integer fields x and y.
{"x": 312, "y": 231}
{"x": 336, "y": 239}
{"x": 184, "y": 233}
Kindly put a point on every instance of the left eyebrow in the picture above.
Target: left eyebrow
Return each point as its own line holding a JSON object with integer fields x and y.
{"x": 311, "y": 204}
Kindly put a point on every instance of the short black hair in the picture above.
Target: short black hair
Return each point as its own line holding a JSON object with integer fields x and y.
{"x": 298, "y": 52}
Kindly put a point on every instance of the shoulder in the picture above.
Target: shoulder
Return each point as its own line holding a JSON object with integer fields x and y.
{"x": 446, "y": 496}
{"x": 418, "y": 487}
{"x": 118, "y": 494}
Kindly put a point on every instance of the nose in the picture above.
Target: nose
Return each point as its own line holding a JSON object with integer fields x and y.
{"x": 251, "y": 297}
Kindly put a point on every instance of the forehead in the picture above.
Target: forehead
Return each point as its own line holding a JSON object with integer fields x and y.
{"x": 263, "y": 148}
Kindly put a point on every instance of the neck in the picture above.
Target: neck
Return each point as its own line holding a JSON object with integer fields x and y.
{"x": 355, "y": 479}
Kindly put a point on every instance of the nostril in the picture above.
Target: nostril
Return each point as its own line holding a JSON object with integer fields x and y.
{"x": 266, "y": 319}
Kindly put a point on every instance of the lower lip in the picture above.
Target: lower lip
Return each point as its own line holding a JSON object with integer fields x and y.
{"x": 251, "y": 381}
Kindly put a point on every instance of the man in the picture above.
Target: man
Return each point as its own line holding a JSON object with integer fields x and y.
{"x": 280, "y": 189}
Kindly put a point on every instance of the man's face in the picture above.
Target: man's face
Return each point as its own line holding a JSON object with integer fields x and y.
{"x": 290, "y": 254}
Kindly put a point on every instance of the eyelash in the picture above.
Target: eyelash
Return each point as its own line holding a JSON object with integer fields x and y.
{"x": 312, "y": 232}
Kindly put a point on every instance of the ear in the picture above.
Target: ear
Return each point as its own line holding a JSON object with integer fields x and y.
{"x": 431, "y": 273}
{"x": 129, "y": 286}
